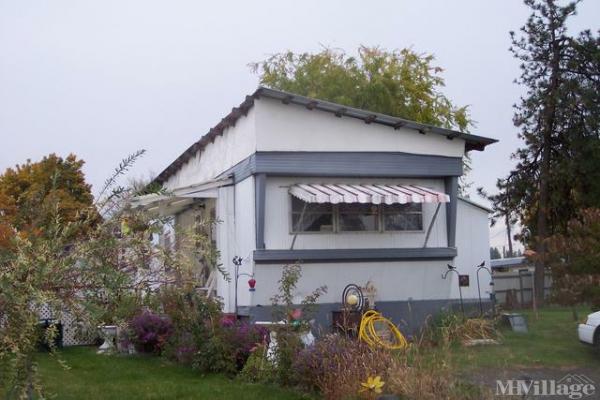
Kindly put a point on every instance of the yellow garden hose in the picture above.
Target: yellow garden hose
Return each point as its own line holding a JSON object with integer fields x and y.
{"x": 368, "y": 334}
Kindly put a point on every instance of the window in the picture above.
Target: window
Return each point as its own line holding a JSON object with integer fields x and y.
{"x": 311, "y": 217}
{"x": 358, "y": 217}
{"x": 403, "y": 217}
{"x": 355, "y": 217}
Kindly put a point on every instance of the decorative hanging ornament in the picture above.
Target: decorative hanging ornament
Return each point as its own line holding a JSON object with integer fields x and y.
{"x": 352, "y": 298}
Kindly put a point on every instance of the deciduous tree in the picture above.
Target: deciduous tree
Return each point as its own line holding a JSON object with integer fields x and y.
{"x": 400, "y": 83}
{"x": 574, "y": 257}
{"x": 33, "y": 195}
{"x": 98, "y": 277}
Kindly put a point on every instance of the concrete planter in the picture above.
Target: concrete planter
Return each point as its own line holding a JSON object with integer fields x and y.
{"x": 109, "y": 333}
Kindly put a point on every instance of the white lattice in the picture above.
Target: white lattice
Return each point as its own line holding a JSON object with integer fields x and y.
{"x": 74, "y": 332}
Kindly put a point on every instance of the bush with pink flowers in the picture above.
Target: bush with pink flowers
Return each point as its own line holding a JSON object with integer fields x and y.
{"x": 150, "y": 332}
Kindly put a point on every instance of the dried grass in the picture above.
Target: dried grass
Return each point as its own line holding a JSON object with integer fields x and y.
{"x": 455, "y": 329}
{"x": 336, "y": 366}
{"x": 425, "y": 375}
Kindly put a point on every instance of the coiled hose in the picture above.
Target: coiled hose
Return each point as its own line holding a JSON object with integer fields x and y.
{"x": 368, "y": 334}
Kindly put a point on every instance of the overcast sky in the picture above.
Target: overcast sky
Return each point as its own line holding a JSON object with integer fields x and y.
{"x": 102, "y": 78}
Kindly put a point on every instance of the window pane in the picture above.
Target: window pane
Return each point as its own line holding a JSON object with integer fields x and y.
{"x": 414, "y": 222}
{"x": 347, "y": 208}
{"x": 298, "y": 206}
{"x": 403, "y": 222}
{"x": 403, "y": 217}
{"x": 312, "y": 222}
{"x": 359, "y": 217}
{"x": 399, "y": 208}
{"x": 315, "y": 217}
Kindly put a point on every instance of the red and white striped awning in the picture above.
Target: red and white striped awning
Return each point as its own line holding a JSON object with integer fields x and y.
{"x": 374, "y": 194}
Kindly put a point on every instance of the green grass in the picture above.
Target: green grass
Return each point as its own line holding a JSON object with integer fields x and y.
{"x": 551, "y": 342}
{"x": 93, "y": 376}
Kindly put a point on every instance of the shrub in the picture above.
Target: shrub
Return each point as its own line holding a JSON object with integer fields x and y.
{"x": 150, "y": 332}
{"x": 336, "y": 365}
{"x": 228, "y": 346}
{"x": 286, "y": 351}
{"x": 288, "y": 340}
{"x": 592, "y": 293}
{"x": 258, "y": 369}
{"x": 191, "y": 315}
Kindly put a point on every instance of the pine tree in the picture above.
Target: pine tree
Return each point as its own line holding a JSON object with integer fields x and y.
{"x": 558, "y": 122}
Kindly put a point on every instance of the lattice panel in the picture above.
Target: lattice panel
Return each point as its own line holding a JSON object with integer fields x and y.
{"x": 74, "y": 333}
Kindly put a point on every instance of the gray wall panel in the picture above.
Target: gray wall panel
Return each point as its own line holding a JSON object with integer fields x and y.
{"x": 347, "y": 164}
{"x": 409, "y": 316}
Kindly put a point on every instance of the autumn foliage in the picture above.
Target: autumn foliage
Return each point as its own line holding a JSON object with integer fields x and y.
{"x": 34, "y": 194}
{"x": 574, "y": 259}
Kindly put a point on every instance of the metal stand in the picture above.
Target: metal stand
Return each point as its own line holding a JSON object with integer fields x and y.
{"x": 445, "y": 275}
{"x": 492, "y": 297}
{"x": 347, "y": 320}
{"x": 237, "y": 261}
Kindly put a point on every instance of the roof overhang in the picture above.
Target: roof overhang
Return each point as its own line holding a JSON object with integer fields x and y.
{"x": 472, "y": 142}
{"x": 366, "y": 193}
{"x": 179, "y": 199}
{"x": 475, "y": 204}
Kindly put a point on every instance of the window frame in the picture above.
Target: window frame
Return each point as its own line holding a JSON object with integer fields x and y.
{"x": 335, "y": 210}
{"x": 291, "y": 220}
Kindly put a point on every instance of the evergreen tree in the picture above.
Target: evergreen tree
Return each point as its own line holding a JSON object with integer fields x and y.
{"x": 558, "y": 121}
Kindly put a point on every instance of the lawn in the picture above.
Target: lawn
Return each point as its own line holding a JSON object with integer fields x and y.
{"x": 550, "y": 347}
{"x": 93, "y": 376}
{"x": 552, "y": 342}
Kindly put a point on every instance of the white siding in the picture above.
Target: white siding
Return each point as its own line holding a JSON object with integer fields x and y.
{"x": 278, "y": 222}
{"x": 281, "y": 127}
{"x": 273, "y": 126}
{"x": 225, "y": 214}
{"x": 473, "y": 244}
{"x": 245, "y": 236}
{"x": 419, "y": 280}
{"x": 236, "y": 144}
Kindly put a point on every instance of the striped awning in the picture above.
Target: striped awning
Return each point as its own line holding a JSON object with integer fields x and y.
{"x": 374, "y": 193}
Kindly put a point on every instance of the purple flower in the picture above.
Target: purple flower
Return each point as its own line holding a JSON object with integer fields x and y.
{"x": 150, "y": 331}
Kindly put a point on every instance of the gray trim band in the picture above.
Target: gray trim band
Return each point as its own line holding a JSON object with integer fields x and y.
{"x": 472, "y": 142}
{"x": 409, "y": 315}
{"x": 451, "y": 186}
{"x": 260, "y": 186}
{"x": 347, "y": 164}
{"x": 353, "y": 255}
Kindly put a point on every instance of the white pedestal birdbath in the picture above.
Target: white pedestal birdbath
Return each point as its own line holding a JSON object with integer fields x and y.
{"x": 109, "y": 332}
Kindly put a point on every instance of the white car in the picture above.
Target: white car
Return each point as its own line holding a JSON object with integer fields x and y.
{"x": 590, "y": 331}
